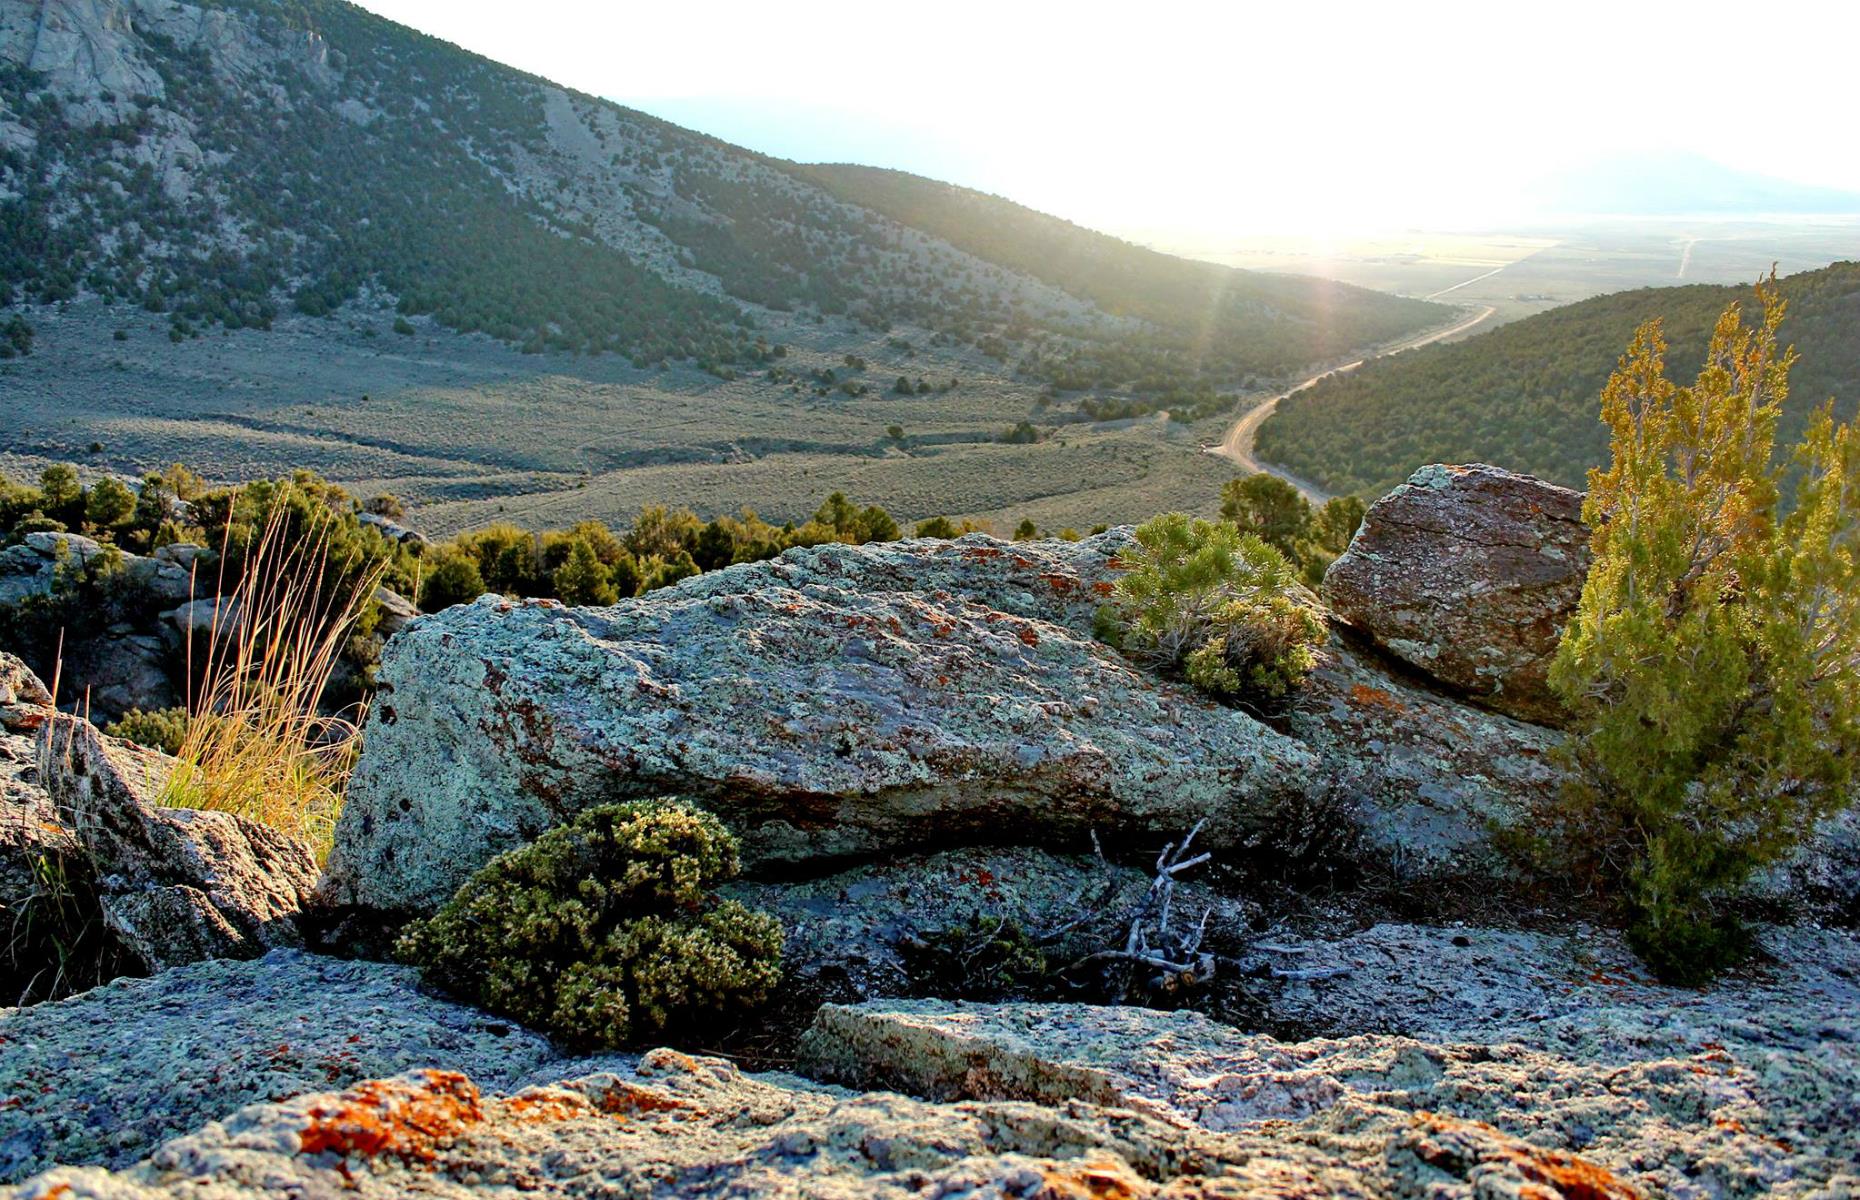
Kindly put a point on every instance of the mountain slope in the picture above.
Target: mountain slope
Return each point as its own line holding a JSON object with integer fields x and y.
{"x": 221, "y": 160}
{"x": 1527, "y": 395}
{"x": 1246, "y": 321}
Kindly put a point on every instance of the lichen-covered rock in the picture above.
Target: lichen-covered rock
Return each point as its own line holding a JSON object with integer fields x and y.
{"x": 32, "y": 838}
{"x": 838, "y": 701}
{"x": 1469, "y": 573}
{"x": 1425, "y": 778}
{"x": 1752, "y": 1089}
{"x": 669, "y": 1125}
{"x": 106, "y": 1076}
{"x": 176, "y": 884}
{"x": 25, "y": 701}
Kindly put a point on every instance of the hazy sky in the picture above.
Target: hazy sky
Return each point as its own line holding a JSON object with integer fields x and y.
{"x": 1215, "y": 118}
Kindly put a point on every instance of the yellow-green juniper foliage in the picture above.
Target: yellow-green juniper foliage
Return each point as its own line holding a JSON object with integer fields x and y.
{"x": 1713, "y": 665}
{"x": 605, "y": 931}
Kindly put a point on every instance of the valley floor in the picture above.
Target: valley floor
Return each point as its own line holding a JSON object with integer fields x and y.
{"x": 468, "y": 431}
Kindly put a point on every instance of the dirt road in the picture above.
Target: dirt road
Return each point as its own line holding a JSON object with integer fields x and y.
{"x": 1238, "y": 444}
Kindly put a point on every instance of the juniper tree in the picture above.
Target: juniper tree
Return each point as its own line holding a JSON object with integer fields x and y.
{"x": 1713, "y": 665}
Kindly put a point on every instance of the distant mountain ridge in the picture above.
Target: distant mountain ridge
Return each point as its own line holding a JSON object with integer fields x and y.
{"x": 1527, "y": 395}
{"x": 1677, "y": 184}
{"x": 221, "y": 160}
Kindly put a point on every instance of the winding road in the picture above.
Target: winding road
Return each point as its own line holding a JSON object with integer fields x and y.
{"x": 1237, "y": 446}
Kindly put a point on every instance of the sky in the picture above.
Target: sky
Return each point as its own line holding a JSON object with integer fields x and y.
{"x": 1216, "y": 118}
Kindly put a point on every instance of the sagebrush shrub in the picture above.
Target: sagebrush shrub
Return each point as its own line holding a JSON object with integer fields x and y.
{"x": 1202, "y": 600}
{"x": 605, "y": 930}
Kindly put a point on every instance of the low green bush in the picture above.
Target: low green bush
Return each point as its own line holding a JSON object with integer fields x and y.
{"x": 605, "y": 931}
{"x": 1202, "y": 600}
{"x": 162, "y": 729}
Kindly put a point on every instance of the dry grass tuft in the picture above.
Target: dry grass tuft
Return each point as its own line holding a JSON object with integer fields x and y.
{"x": 258, "y": 743}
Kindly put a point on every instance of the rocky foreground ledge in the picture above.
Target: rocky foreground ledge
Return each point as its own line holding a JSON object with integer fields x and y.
{"x": 1545, "y": 1067}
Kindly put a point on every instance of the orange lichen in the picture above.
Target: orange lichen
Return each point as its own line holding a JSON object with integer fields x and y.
{"x": 1094, "y": 1177}
{"x": 407, "y": 1119}
{"x": 1546, "y": 1174}
{"x": 623, "y": 1099}
{"x": 1028, "y": 636}
{"x": 1364, "y": 696}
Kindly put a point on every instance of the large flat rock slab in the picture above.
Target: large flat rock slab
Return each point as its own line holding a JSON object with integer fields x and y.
{"x": 106, "y": 1076}
{"x": 1750, "y": 1089}
{"x": 668, "y": 1125}
{"x": 837, "y": 702}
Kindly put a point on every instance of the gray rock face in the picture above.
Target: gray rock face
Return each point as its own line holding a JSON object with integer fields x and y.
{"x": 127, "y": 666}
{"x": 1469, "y": 574}
{"x": 107, "y": 1076}
{"x": 838, "y": 701}
{"x": 115, "y": 672}
{"x": 1749, "y": 1090}
{"x": 31, "y": 835}
{"x": 848, "y": 933}
{"x": 178, "y": 885}
{"x": 1422, "y": 777}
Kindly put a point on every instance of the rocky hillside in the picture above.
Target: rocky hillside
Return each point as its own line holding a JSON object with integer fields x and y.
{"x": 1525, "y": 393}
{"x": 219, "y": 162}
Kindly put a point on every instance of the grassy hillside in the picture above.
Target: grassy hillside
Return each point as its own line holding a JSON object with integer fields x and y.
{"x": 1527, "y": 395}
{"x": 220, "y": 164}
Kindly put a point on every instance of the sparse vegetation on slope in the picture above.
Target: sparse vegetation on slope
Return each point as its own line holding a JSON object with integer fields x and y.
{"x": 373, "y": 159}
{"x": 1202, "y": 323}
{"x": 1523, "y": 395}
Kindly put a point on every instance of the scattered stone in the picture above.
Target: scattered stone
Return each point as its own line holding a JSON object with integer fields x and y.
{"x": 106, "y": 1076}
{"x": 397, "y": 612}
{"x": 177, "y": 884}
{"x": 199, "y": 619}
{"x": 837, "y": 702}
{"x": 1469, "y": 574}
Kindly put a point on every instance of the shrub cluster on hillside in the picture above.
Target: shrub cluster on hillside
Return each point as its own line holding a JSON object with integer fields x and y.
{"x": 1275, "y": 512}
{"x": 606, "y": 930}
{"x": 1523, "y": 396}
